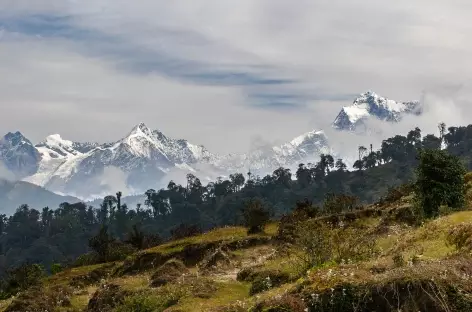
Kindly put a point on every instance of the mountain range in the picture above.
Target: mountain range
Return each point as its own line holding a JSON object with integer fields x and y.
{"x": 146, "y": 158}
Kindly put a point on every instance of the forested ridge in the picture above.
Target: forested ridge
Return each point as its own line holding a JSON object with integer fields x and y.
{"x": 61, "y": 235}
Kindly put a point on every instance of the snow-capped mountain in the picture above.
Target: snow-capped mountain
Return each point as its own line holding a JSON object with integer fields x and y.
{"x": 141, "y": 158}
{"x": 18, "y": 155}
{"x": 304, "y": 148}
{"x": 147, "y": 158}
{"x": 371, "y": 105}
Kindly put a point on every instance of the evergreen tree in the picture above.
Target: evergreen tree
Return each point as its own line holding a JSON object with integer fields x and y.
{"x": 440, "y": 181}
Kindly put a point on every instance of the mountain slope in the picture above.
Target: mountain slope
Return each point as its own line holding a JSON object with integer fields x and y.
{"x": 14, "y": 194}
{"x": 371, "y": 105}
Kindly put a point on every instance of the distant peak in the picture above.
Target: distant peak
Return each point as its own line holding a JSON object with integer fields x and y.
{"x": 141, "y": 127}
{"x": 55, "y": 137}
{"x": 13, "y": 134}
{"x": 369, "y": 93}
{"x": 309, "y": 135}
{"x": 366, "y": 96}
{"x": 16, "y": 138}
{"x": 370, "y": 104}
{"x": 55, "y": 140}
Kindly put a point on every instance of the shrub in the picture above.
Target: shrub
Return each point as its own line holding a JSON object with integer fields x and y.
{"x": 107, "y": 298}
{"x": 140, "y": 302}
{"x": 340, "y": 203}
{"x": 119, "y": 251}
{"x": 460, "y": 236}
{"x": 93, "y": 277}
{"x": 168, "y": 272}
{"x": 260, "y": 284}
{"x": 185, "y": 230}
{"x": 255, "y": 216}
{"x": 42, "y": 299}
{"x": 22, "y": 278}
{"x": 398, "y": 260}
{"x": 86, "y": 259}
{"x": 394, "y": 194}
{"x": 320, "y": 243}
{"x": 56, "y": 268}
{"x": 352, "y": 244}
{"x": 101, "y": 244}
{"x": 313, "y": 238}
{"x": 304, "y": 210}
{"x": 140, "y": 240}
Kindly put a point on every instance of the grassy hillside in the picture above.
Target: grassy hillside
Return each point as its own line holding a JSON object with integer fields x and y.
{"x": 404, "y": 267}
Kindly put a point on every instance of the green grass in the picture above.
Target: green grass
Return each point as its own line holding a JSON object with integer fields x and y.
{"x": 133, "y": 283}
{"x": 427, "y": 241}
{"x": 228, "y": 292}
{"x": 80, "y": 301}
{"x": 226, "y": 233}
{"x": 66, "y": 276}
{"x": 230, "y": 233}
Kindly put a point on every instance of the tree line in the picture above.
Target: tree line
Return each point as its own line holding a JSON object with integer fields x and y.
{"x": 61, "y": 235}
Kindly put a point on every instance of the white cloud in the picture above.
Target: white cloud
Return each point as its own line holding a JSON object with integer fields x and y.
{"x": 6, "y": 174}
{"x": 99, "y": 71}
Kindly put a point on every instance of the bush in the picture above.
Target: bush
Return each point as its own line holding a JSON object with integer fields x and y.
{"x": 120, "y": 251}
{"x": 93, "y": 277}
{"x": 352, "y": 244}
{"x": 319, "y": 243}
{"x": 255, "y": 216}
{"x": 140, "y": 302}
{"x": 107, "y": 298}
{"x": 460, "y": 236}
{"x": 340, "y": 203}
{"x": 303, "y": 211}
{"x": 56, "y": 268}
{"x": 313, "y": 238}
{"x": 398, "y": 260}
{"x": 262, "y": 280}
{"x": 42, "y": 299}
{"x": 185, "y": 230}
{"x": 140, "y": 240}
{"x": 101, "y": 244}
{"x": 22, "y": 278}
{"x": 394, "y": 194}
{"x": 168, "y": 272}
{"x": 260, "y": 284}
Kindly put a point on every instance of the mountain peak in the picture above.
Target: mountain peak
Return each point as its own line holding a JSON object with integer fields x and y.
{"x": 370, "y": 104}
{"x": 16, "y": 138}
{"x": 140, "y": 129}
{"x": 18, "y": 154}
{"x": 55, "y": 140}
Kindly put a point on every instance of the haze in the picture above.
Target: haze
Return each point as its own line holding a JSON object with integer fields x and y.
{"x": 225, "y": 74}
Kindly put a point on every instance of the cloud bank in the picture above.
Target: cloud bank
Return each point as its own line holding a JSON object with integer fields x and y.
{"x": 221, "y": 73}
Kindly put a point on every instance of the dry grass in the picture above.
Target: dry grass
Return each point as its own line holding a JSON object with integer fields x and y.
{"x": 4, "y": 304}
{"x": 427, "y": 242}
{"x": 220, "y": 234}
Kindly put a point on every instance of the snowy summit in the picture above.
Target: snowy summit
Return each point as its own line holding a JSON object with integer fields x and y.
{"x": 371, "y": 105}
{"x": 146, "y": 158}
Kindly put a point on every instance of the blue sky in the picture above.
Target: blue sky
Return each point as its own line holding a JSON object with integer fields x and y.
{"x": 222, "y": 73}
